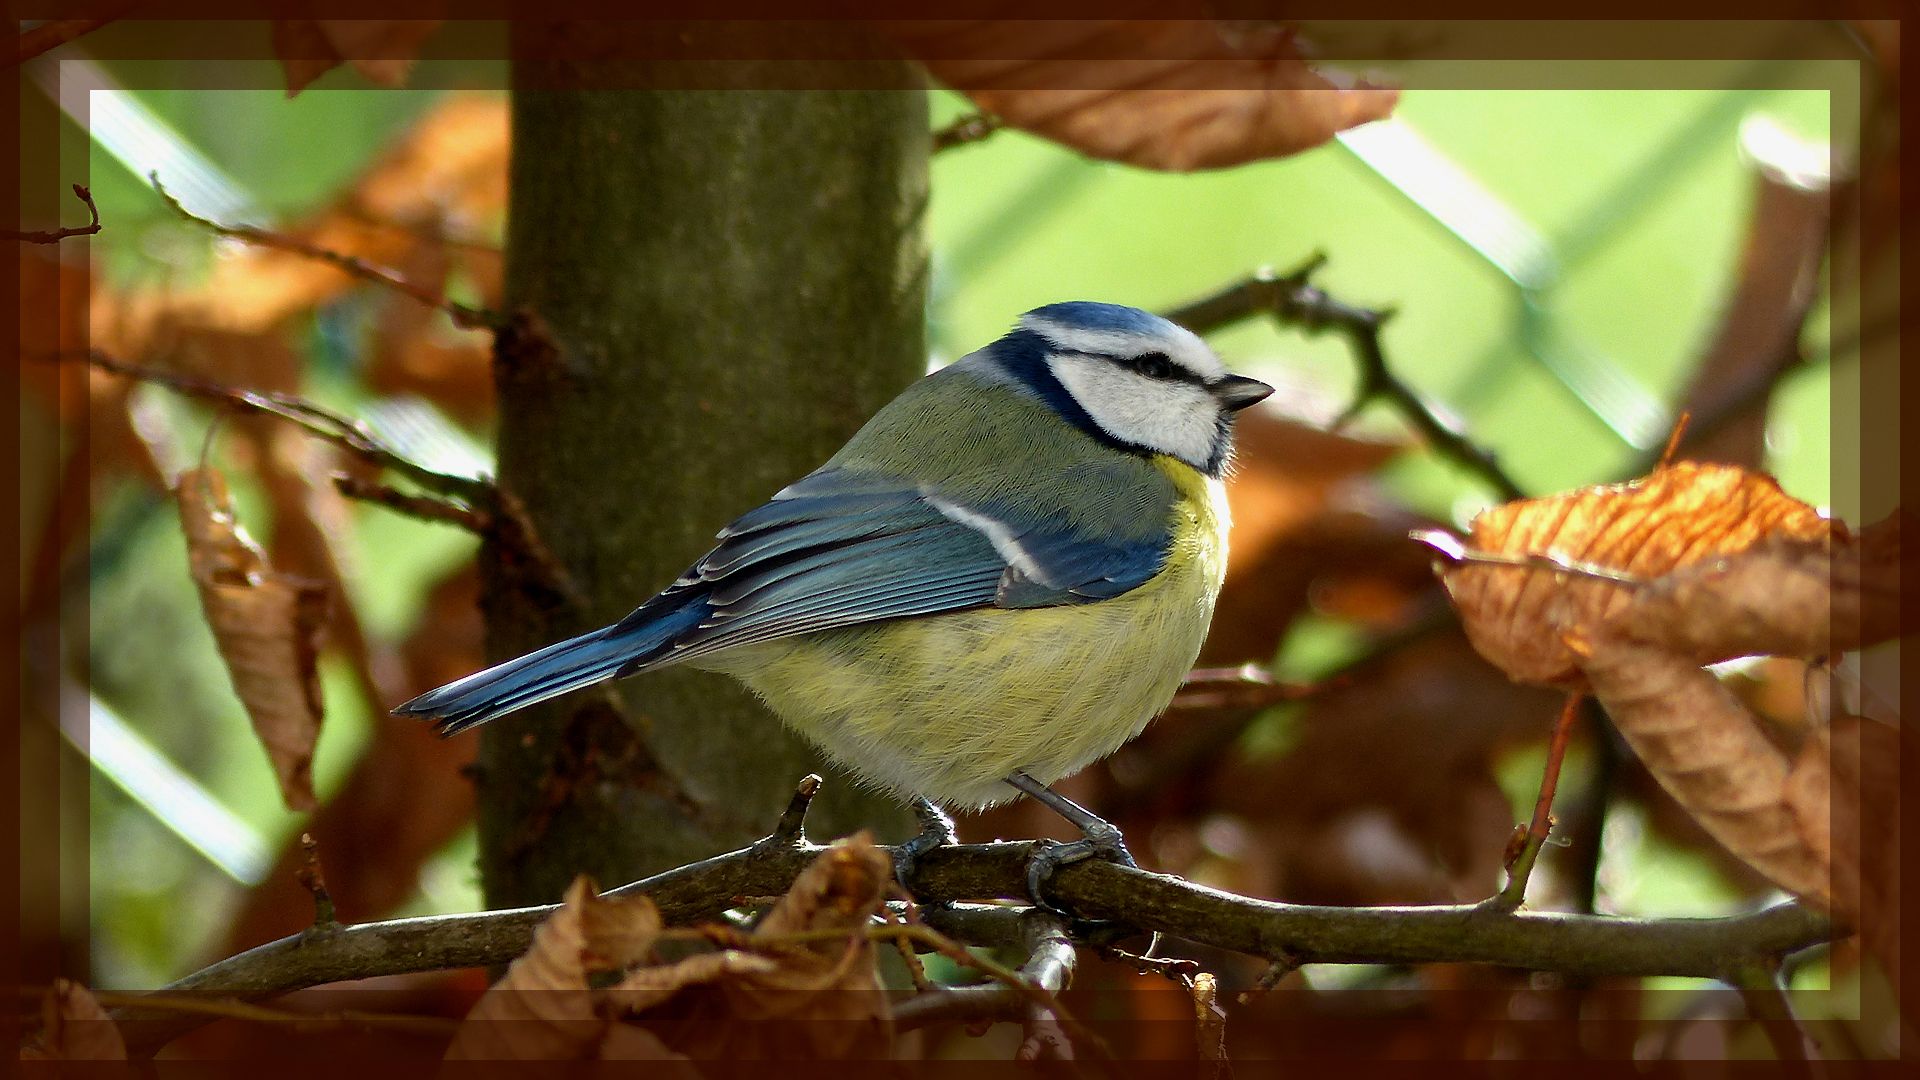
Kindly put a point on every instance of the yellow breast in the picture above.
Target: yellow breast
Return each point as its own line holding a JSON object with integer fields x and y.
{"x": 948, "y": 706}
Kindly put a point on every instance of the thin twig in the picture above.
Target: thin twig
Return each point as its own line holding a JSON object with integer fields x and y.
{"x": 315, "y": 883}
{"x": 1758, "y": 982}
{"x": 463, "y": 316}
{"x": 1172, "y": 968}
{"x": 495, "y": 509}
{"x": 1293, "y": 300}
{"x": 1520, "y": 867}
{"x": 968, "y": 129}
{"x": 342, "y": 431}
{"x": 419, "y": 507}
{"x": 57, "y": 235}
{"x": 205, "y": 1009}
{"x": 1049, "y": 966}
{"x": 1248, "y": 686}
{"x": 1282, "y": 967}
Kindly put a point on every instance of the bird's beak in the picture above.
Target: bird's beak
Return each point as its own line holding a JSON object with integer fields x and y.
{"x": 1236, "y": 392}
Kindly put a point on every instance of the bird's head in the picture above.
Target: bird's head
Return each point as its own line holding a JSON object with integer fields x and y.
{"x": 1129, "y": 378}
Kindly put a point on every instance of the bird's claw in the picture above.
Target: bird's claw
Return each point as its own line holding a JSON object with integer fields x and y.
{"x": 936, "y": 830}
{"x": 1051, "y": 855}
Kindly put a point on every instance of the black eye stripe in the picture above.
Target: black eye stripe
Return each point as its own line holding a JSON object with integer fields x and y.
{"x": 1174, "y": 372}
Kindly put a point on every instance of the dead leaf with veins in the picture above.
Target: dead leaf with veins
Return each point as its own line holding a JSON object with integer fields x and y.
{"x": 1177, "y": 95}
{"x": 267, "y": 626}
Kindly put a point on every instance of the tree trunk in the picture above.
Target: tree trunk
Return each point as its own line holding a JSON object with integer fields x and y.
{"x": 715, "y": 288}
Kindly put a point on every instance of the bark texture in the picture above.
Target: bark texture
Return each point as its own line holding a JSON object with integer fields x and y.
{"x": 713, "y": 289}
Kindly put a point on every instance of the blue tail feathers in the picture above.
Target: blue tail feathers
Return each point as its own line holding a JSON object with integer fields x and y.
{"x": 568, "y": 665}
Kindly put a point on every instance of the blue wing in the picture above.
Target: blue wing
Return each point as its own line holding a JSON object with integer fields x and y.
{"x": 839, "y": 548}
{"x": 843, "y": 547}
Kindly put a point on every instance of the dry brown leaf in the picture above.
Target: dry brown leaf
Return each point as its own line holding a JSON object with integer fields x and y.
{"x": 382, "y": 50}
{"x": 1174, "y": 95}
{"x": 267, "y": 626}
{"x": 1774, "y": 599}
{"x": 1709, "y": 752}
{"x": 74, "y": 1028}
{"x": 830, "y": 991}
{"x": 1681, "y": 515}
{"x": 543, "y": 1009}
{"x": 785, "y": 1000}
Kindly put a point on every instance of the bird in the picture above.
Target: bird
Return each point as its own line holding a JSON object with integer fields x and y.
{"x": 1001, "y": 578}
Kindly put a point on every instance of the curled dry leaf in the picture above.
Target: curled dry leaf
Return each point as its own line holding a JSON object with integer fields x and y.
{"x": 827, "y": 993}
{"x": 1632, "y": 588}
{"x": 543, "y": 1009}
{"x": 1680, "y": 516}
{"x": 1177, "y": 95}
{"x": 74, "y": 1028}
{"x": 1708, "y": 751}
{"x": 382, "y": 50}
{"x": 267, "y": 626}
{"x": 783, "y": 999}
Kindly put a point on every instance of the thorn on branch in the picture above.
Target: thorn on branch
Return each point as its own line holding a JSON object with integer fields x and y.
{"x": 309, "y": 876}
{"x": 791, "y": 829}
{"x": 463, "y": 316}
{"x": 967, "y": 129}
{"x": 56, "y": 235}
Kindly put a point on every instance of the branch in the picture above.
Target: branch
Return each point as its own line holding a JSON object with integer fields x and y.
{"x": 418, "y": 507}
{"x": 1299, "y": 933}
{"x": 968, "y": 129}
{"x": 343, "y": 431}
{"x": 473, "y": 503}
{"x": 1292, "y": 300}
{"x": 463, "y": 316}
{"x": 58, "y": 235}
{"x": 1760, "y": 987}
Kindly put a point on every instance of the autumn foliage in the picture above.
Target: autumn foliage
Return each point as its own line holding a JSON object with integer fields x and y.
{"x": 1378, "y": 781}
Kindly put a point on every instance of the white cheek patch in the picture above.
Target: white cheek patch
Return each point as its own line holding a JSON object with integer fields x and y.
{"x": 1175, "y": 418}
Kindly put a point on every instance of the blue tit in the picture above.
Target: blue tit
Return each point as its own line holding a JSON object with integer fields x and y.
{"x": 1000, "y": 579}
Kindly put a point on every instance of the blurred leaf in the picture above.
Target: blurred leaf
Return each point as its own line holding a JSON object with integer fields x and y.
{"x": 1845, "y": 790}
{"x": 1171, "y": 95}
{"x": 382, "y": 50}
{"x": 75, "y": 1028}
{"x": 268, "y": 628}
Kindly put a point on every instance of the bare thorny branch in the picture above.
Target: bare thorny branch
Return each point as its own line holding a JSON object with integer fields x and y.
{"x": 1292, "y": 299}
{"x": 1147, "y": 902}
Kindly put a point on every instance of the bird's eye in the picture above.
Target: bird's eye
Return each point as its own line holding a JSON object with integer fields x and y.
{"x": 1153, "y": 365}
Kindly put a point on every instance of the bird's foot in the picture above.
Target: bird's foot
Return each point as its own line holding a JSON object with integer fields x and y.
{"x": 936, "y": 830}
{"x": 1103, "y": 841}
